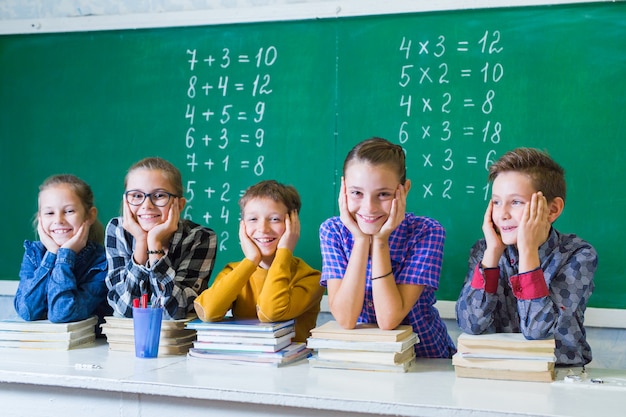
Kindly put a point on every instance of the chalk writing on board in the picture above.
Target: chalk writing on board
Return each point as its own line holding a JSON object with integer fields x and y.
{"x": 434, "y": 75}
{"x": 227, "y": 106}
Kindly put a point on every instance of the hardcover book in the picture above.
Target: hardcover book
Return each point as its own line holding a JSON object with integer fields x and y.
{"x": 399, "y": 346}
{"x": 241, "y": 325}
{"x": 364, "y": 332}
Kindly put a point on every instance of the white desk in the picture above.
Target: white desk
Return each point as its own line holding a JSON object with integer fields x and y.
{"x": 46, "y": 383}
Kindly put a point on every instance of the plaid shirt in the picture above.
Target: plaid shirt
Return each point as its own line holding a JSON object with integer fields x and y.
{"x": 177, "y": 278}
{"x": 416, "y": 250}
{"x": 550, "y": 300}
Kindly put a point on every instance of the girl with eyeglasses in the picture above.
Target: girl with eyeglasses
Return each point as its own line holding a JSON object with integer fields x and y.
{"x": 151, "y": 250}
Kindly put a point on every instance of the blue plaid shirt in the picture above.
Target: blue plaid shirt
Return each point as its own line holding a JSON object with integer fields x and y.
{"x": 568, "y": 264}
{"x": 416, "y": 250}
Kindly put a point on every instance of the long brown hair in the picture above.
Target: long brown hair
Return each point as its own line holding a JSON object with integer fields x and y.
{"x": 379, "y": 151}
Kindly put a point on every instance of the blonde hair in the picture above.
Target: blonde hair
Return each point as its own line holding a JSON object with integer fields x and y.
{"x": 159, "y": 164}
{"x": 85, "y": 195}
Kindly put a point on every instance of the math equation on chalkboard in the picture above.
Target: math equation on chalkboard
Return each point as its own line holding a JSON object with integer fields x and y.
{"x": 226, "y": 109}
{"x": 434, "y": 107}
{"x": 439, "y": 93}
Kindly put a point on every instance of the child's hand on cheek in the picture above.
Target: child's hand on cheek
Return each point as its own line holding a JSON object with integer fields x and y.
{"x": 396, "y": 214}
{"x": 290, "y": 238}
{"x": 130, "y": 224}
{"x": 495, "y": 245}
{"x": 79, "y": 240}
{"x": 163, "y": 232}
{"x": 346, "y": 217}
{"x": 248, "y": 247}
{"x": 46, "y": 239}
{"x": 534, "y": 225}
{"x": 493, "y": 239}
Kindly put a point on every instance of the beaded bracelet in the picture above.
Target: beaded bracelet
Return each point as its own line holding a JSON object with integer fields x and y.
{"x": 156, "y": 252}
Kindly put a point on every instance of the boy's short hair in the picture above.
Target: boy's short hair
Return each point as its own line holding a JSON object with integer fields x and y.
{"x": 273, "y": 190}
{"x": 545, "y": 174}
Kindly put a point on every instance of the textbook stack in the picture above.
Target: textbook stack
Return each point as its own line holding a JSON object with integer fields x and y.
{"x": 507, "y": 356}
{"x": 247, "y": 341}
{"x": 366, "y": 347}
{"x": 175, "y": 339}
{"x": 43, "y": 334}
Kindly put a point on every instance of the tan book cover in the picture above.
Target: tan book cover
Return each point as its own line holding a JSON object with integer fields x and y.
{"x": 316, "y": 362}
{"x": 503, "y": 340}
{"x": 84, "y": 341}
{"x": 503, "y": 374}
{"x": 121, "y": 332}
{"x": 503, "y": 352}
{"x": 383, "y": 358}
{"x": 519, "y": 364}
{"x": 364, "y": 332}
{"x": 163, "y": 349}
{"x": 125, "y": 322}
{"x": 354, "y": 345}
{"x": 163, "y": 341}
{"x": 45, "y": 326}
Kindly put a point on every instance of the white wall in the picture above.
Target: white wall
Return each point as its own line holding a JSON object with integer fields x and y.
{"x": 38, "y": 16}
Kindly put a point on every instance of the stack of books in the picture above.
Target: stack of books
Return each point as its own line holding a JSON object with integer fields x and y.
{"x": 247, "y": 341}
{"x": 43, "y": 334}
{"x": 175, "y": 339}
{"x": 504, "y": 356}
{"x": 366, "y": 347}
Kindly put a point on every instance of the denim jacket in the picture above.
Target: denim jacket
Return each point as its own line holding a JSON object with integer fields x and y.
{"x": 62, "y": 287}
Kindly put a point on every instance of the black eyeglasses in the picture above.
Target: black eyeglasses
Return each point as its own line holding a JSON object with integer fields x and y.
{"x": 159, "y": 198}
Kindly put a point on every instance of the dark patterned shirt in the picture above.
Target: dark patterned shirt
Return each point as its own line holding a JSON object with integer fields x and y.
{"x": 416, "y": 251}
{"x": 176, "y": 279}
{"x": 550, "y": 300}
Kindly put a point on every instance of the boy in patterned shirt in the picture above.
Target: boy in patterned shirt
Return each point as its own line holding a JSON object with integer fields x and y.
{"x": 525, "y": 276}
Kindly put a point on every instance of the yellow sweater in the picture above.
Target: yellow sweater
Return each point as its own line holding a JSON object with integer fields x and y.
{"x": 289, "y": 289}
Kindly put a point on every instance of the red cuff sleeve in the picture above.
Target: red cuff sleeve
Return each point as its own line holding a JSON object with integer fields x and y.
{"x": 486, "y": 279}
{"x": 529, "y": 285}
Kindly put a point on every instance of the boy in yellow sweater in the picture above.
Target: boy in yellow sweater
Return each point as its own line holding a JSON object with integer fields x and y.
{"x": 269, "y": 283}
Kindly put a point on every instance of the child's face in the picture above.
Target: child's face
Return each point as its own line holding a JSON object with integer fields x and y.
{"x": 61, "y": 212}
{"x": 265, "y": 224}
{"x": 370, "y": 190}
{"x": 148, "y": 181}
{"x": 511, "y": 191}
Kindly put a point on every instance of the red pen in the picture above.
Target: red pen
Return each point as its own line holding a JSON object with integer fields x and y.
{"x": 144, "y": 300}
{"x": 136, "y": 302}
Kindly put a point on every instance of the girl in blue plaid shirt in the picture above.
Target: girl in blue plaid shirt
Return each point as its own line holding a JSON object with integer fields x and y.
{"x": 380, "y": 264}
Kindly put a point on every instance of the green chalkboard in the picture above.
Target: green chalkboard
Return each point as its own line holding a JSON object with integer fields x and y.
{"x": 233, "y": 104}
{"x": 228, "y": 105}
